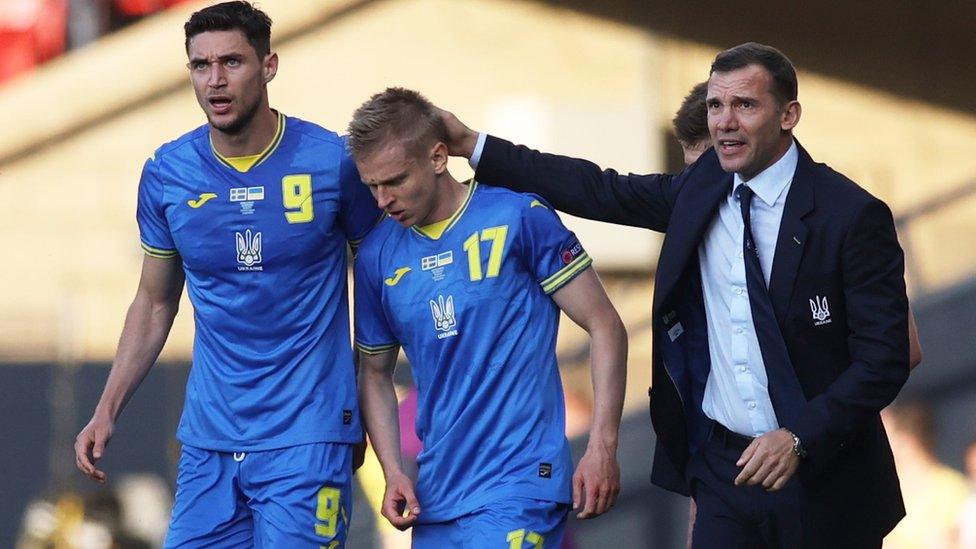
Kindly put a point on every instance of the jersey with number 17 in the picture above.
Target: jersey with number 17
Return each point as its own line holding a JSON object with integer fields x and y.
{"x": 263, "y": 247}
{"x": 474, "y": 314}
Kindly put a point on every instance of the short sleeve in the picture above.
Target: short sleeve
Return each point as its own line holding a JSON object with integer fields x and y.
{"x": 157, "y": 241}
{"x": 550, "y": 251}
{"x": 373, "y": 333}
{"x": 358, "y": 212}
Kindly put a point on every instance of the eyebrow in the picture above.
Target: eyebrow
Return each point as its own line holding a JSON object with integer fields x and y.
{"x": 388, "y": 181}
{"x": 715, "y": 99}
{"x": 221, "y": 58}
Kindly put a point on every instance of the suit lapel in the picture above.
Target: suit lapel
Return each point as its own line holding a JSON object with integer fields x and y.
{"x": 693, "y": 211}
{"x": 792, "y": 236}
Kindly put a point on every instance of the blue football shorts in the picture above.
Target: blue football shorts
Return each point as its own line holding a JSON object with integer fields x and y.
{"x": 300, "y": 496}
{"x": 513, "y": 523}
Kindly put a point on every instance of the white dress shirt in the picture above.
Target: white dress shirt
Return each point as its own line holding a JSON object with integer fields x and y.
{"x": 736, "y": 393}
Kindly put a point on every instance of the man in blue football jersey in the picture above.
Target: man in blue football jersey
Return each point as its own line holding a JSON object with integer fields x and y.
{"x": 470, "y": 280}
{"x": 253, "y": 211}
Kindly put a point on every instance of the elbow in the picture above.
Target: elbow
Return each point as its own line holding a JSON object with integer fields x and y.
{"x": 614, "y": 331}
{"x": 166, "y": 311}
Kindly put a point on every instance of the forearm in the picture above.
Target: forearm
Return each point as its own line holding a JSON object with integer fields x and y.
{"x": 577, "y": 186}
{"x": 377, "y": 398}
{"x": 146, "y": 328}
{"x": 608, "y": 371}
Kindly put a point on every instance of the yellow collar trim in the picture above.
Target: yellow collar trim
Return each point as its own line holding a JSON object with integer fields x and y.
{"x": 434, "y": 230}
{"x": 437, "y": 229}
{"x": 244, "y": 163}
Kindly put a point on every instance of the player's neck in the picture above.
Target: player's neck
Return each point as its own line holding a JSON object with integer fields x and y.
{"x": 250, "y": 140}
{"x": 450, "y": 196}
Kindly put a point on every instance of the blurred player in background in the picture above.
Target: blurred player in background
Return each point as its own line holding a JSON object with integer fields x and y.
{"x": 254, "y": 211}
{"x": 934, "y": 492}
{"x": 967, "y": 517}
{"x": 690, "y": 124}
{"x": 470, "y": 280}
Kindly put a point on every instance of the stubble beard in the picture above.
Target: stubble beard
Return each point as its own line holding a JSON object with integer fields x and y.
{"x": 238, "y": 125}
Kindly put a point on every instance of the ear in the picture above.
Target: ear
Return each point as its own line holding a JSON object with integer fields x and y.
{"x": 270, "y": 66}
{"x": 438, "y": 157}
{"x": 791, "y": 115}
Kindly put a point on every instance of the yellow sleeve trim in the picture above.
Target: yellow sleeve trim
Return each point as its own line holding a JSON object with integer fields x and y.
{"x": 158, "y": 252}
{"x": 376, "y": 349}
{"x": 566, "y": 274}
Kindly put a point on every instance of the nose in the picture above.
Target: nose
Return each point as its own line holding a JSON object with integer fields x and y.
{"x": 726, "y": 120}
{"x": 383, "y": 197}
{"x": 216, "y": 79}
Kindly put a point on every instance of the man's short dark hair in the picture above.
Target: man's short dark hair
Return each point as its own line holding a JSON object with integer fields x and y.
{"x": 399, "y": 114}
{"x": 691, "y": 121}
{"x": 242, "y": 16}
{"x": 768, "y": 57}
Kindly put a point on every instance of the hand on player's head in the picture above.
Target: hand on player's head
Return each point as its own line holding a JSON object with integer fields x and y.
{"x": 461, "y": 139}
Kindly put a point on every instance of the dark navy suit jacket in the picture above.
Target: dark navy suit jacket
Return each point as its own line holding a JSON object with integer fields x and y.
{"x": 836, "y": 241}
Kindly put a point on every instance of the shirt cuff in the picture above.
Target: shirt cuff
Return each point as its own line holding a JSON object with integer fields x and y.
{"x": 478, "y": 149}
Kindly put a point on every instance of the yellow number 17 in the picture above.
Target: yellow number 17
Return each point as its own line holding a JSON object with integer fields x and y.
{"x": 473, "y": 246}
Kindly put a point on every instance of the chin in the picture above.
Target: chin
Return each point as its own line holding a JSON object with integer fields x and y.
{"x": 729, "y": 166}
{"x": 227, "y": 124}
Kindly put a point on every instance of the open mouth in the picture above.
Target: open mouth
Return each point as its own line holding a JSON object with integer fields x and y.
{"x": 219, "y": 103}
{"x": 730, "y": 145}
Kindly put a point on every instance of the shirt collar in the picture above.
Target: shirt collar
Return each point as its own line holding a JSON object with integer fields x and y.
{"x": 770, "y": 183}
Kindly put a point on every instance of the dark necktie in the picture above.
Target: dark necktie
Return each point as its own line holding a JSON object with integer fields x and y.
{"x": 784, "y": 388}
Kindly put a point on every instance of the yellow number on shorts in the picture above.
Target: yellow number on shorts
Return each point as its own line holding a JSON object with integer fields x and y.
{"x": 296, "y": 194}
{"x": 517, "y": 538}
{"x": 328, "y": 512}
{"x": 473, "y": 246}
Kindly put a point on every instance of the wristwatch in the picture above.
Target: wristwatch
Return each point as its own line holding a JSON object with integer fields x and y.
{"x": 798, "y": 448}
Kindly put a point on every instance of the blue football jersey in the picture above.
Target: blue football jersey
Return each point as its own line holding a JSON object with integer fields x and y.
{"x": 473, "y": 312}
{"x": 264, "y": 253}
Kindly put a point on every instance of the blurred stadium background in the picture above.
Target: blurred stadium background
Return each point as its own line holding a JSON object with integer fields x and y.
{"x": 89, "y": 88}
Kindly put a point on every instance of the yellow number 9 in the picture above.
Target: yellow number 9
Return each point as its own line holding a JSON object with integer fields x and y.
{"x": 328, "y": 512}
{"x": 296, "y": 194}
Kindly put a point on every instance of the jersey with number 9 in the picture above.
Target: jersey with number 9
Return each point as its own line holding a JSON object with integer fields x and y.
{"x": 263, "y": 246}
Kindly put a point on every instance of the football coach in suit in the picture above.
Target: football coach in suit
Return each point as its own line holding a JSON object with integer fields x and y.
{"x": 779, "y": 315}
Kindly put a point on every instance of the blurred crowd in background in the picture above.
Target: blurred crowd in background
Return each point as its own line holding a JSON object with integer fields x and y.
{"x": 35, "y": 31}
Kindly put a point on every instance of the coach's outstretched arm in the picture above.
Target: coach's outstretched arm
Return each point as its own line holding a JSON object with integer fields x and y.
{"x": 147, "y": 325}
{"x": 573, "y": 185}
{"x": 596, "y": 483}
{"x": 378, "y": 401}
